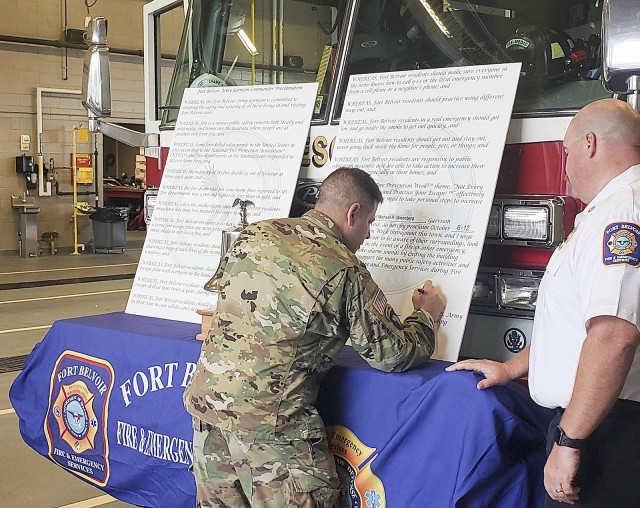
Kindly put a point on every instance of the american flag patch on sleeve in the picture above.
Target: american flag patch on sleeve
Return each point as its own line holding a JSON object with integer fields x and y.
{"x": 380, "y": 302}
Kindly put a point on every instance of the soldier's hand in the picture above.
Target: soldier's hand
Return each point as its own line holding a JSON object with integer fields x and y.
{"x": 429, "y": 298}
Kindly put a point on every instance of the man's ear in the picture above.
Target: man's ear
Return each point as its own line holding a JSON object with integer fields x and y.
{"x": 590, "y": 139}
{"x": 351, "y": 213}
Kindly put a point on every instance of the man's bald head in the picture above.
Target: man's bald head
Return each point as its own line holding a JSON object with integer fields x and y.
{"x": 613, "y": 122}
{"x": 602, "y": 142}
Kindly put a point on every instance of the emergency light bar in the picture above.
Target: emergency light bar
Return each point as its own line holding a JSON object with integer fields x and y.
{"x": 535, "y": 221}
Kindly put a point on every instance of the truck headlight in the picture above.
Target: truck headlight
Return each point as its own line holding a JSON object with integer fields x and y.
{"x": 519, "y": 292}
{"x": 526, "y": 223}
{"x": 532, "y": 221}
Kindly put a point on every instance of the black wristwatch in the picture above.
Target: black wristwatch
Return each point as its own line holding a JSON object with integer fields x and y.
{"x": 563, "y": 440}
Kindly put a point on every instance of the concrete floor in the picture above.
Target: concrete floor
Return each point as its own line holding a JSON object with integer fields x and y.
{"x": 35, "y": 292}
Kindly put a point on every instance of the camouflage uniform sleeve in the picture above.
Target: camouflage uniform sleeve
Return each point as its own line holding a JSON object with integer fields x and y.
{"x": 377, "y": 333}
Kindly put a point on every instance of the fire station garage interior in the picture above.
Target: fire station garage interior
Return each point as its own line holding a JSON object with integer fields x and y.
{"x": 52, "y": 268}
{"x": 90, "y": 100}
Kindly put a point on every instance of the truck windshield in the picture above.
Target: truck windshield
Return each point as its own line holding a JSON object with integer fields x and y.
{"x": 557, "y": 42}
{"x": 248, "y": 42}
{"x": 245, "y": 42}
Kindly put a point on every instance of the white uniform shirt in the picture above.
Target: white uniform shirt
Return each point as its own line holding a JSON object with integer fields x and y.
{"x": 596, "y": 272}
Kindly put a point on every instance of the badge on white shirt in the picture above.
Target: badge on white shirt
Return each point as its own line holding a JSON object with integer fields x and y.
{"x": 621, "y": 244}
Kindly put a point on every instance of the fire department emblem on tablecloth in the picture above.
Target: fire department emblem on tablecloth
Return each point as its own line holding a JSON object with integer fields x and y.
{"x": 363, "y": 489}
{"x": 76, "y": 422}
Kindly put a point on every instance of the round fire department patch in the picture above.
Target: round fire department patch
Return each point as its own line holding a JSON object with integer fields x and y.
{"x": 73, "y": 410}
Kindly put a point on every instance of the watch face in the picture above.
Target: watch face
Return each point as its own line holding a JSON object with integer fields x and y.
{"x": 558, "y": 436}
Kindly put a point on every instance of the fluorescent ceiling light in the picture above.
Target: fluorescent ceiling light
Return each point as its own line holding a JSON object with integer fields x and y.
{"x": 435, "y": 18}
{"x": 251, "y": 48}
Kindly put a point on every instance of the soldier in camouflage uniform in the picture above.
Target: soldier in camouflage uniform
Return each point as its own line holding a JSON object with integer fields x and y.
{"x": 291, "y": 292}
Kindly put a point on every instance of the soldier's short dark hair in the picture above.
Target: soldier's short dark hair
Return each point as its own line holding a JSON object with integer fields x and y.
{"x": 350, "y": 185}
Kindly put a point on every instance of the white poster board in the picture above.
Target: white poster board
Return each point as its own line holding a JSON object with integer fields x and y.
{"x": 229, "y": 142}
{"x": 433, "y": 141}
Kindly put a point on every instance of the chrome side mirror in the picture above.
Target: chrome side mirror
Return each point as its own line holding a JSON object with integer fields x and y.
{"x": 621, "y": 48}
{"x": 96, "y": 76}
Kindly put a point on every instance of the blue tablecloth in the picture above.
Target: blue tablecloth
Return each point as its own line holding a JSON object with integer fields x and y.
{"x": 102, "y": 397}
{"x": 439, "y": 441}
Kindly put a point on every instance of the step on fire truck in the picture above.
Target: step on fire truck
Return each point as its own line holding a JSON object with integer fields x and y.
{"x": 558, "y": 42}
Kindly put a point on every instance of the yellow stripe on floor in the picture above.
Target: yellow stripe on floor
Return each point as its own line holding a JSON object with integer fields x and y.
{"x": 90, "y": 503}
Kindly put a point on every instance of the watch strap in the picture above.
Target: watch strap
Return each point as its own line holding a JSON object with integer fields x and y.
{"x": 563, "y": 440}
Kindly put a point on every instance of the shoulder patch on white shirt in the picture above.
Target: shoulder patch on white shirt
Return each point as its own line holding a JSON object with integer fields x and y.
{"x": 621, "y": 244}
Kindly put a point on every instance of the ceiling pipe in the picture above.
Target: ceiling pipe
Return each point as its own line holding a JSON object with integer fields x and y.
{"x": 70, "y": 45}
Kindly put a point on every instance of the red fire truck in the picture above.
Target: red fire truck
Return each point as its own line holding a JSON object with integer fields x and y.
{"x": 558, "y": 42}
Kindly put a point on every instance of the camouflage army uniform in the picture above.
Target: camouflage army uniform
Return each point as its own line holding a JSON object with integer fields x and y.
{"x": 290, "y": 295}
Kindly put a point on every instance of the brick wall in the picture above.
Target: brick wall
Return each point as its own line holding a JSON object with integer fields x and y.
{"x": 24, "y": 68}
